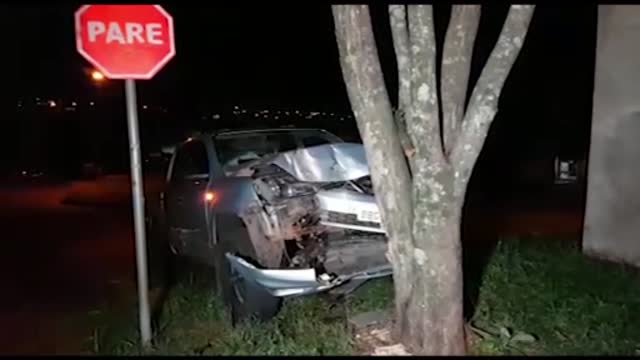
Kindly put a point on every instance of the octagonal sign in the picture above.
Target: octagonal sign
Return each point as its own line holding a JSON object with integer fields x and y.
{"x": 125, "y": 41}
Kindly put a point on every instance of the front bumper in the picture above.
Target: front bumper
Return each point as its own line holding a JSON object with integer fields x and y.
{"x": 296, "y": 282}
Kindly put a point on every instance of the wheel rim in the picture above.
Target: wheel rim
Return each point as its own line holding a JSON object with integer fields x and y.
{"x": 237, "y": 286}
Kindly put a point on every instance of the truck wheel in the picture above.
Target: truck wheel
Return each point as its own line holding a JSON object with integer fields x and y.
{"x": 245, "y": 298}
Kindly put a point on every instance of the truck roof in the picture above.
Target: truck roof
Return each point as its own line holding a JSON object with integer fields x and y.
{"x": 232, "y": 131}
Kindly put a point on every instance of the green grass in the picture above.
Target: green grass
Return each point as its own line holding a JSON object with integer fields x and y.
{"x": 193, "y": 323}
{"x": 571, "y": 304}
{"x": 538, "y": 298}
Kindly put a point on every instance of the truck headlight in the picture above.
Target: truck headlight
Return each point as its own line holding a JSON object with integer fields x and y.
{"x": 274, "y": 188}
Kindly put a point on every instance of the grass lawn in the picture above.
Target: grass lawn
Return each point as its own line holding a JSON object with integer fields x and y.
{"x": 537, "y": 298}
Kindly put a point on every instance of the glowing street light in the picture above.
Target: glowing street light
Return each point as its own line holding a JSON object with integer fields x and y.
{"x": 97, "y": 76}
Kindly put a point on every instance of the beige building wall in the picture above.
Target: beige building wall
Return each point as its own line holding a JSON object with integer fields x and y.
{"x": 612, "y": 217}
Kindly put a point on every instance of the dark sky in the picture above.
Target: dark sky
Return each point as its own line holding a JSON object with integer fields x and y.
{"x": 270, "y": 52}
{"x": 230, "y": 53}
{"x": 281, "y": 55}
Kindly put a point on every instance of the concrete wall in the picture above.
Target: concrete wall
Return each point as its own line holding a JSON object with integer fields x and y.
{"x": 612, "y": 218}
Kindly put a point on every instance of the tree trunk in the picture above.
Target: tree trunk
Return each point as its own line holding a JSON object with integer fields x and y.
{"x": 430, "y": 314}
{"x": 421, "y": 207}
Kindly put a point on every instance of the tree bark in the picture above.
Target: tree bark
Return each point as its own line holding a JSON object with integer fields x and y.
{"x": 423, "y": 123}
{"x": 430, "y": 319}
{"x": 483, "y": 103}
{"x": 456, "y": 65}
{"x": 400, "y": 35}
{"x": 421, "y": 209}
{"x": 370, "y": 103}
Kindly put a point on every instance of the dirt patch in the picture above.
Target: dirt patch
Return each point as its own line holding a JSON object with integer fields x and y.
{"x": 376, "y": 340}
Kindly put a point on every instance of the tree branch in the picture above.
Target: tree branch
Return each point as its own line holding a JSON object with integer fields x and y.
{"x": 483, "y": 103}
{"x": 370, "y": 103}
{"x": 400, "y": 35}
{"x": 423, "y": 123}
{"x": 456, "y": 64}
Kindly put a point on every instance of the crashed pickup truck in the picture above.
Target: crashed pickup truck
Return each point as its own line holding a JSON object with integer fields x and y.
{"x": 275, "y": 213}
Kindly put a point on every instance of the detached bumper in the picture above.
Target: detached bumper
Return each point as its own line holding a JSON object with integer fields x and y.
{"x": 296, "y": 282}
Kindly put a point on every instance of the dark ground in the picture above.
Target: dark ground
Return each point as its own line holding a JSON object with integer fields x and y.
{"x": 58, "y": 263}
{"x": 61, "y": 261}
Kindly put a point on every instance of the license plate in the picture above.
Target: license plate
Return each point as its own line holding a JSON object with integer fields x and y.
{"x": 369, "y": 216}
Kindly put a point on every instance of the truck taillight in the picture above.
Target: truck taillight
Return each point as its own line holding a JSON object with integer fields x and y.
{"x": 210, "y": 197}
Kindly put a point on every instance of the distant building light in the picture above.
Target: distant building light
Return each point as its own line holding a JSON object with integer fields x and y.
{"x": 52, "y": 103}
{"x": 215, "y": 116}
{"x": 276, "y": 117}
{"x": 236, "y": 107}
{"x": 73, "y": 103}
{"x": 286, "y": 113}
{"x": 145, "y": 107}
{"x": 91, "y": 103}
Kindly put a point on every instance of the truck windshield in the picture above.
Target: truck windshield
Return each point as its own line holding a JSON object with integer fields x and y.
{"x": 233, "y": 148}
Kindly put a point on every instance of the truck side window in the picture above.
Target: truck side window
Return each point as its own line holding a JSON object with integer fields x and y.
{"x": 191, "y": 160}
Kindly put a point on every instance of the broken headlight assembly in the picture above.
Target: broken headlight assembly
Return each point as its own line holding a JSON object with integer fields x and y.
{"x": 282, "y": 186}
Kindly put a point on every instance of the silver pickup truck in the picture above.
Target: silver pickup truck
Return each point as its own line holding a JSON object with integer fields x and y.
{"x": 275, "y": 213}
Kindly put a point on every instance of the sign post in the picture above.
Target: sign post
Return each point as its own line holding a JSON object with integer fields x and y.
{"x": 129, "y": 42}
{"x": 137, "y": 191}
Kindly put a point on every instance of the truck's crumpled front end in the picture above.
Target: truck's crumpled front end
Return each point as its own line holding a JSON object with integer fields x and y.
{"x": 317, "y": 204}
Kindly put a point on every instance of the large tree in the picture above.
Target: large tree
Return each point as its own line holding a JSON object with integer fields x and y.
{"x": 421, "y": 163}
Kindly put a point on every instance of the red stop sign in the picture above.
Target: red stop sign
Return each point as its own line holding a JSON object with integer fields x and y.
{"x": 125, "y": 41}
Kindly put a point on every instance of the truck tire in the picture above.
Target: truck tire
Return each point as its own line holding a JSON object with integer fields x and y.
{"x": 244, "y": 298}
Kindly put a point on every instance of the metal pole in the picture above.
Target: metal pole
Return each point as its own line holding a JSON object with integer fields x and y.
{"x": 138, "y": 212}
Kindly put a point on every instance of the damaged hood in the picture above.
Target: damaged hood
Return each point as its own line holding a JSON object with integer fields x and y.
{"x": 325, "y": 163}
{"x": 322, "y": 163}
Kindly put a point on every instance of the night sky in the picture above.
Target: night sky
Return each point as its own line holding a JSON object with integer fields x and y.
{"x": 284, "y": 56}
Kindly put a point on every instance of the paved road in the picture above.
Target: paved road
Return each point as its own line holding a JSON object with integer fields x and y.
{"x": 57, "y": 260}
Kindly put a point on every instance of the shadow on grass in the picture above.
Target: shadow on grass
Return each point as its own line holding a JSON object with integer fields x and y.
{"x": 479, "y": 241}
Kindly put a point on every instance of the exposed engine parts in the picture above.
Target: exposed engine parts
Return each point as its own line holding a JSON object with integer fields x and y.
{"x": 294, "y": 218}
{"x": 315, "y": 208}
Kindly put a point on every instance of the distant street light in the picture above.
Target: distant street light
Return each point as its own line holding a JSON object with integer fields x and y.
{"x": 97, "y": 76}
